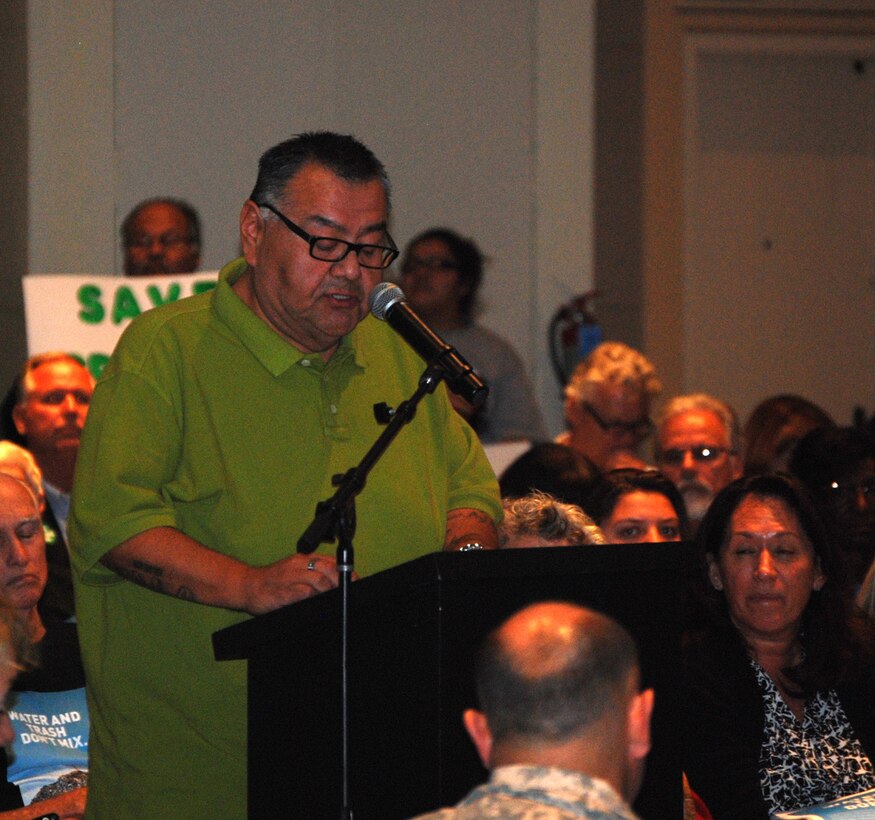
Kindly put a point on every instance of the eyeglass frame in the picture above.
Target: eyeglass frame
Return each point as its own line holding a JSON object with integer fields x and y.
{"x": 392, "y": 252}
{"x": 641, "y": 428}
{"x": 697, "y": 453}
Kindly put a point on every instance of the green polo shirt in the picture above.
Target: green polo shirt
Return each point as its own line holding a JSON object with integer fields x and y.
{"x": 206, "y": 420}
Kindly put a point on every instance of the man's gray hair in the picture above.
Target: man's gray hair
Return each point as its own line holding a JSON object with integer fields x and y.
{"x": 539, "y": 514}
{"x": 341, "y": 154}
{"x": 613, "y": 363}
{"x": 34, "y": 497}
{"x": 15, "y": 459}
{"x": 704, "y": 401}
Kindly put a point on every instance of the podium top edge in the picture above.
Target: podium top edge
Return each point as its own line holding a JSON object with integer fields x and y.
{"x": 433, "y": 569}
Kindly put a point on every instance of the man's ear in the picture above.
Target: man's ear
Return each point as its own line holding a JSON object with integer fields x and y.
{"x": 251, "y": 230}
{"x": 481, "y": 737}
{"x": 638, "y": 724}
{"x": 19, "y": 420}
{"x": 571, "y": 409}
{"x": 820, "y": 579}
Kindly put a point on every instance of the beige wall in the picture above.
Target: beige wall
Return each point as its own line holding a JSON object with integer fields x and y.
{"x": 484, "y": 112}
{"x": 758, "y": 192}
{"x": 481, "y": 111}
{"x": 780, "y": 192}
{"x": 13, "y": 182}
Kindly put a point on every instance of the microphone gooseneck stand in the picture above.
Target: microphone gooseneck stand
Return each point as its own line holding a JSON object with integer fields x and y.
{"x": 335, "y": 519}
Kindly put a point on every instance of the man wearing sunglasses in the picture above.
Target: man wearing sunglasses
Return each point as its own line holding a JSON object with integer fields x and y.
{"x": 216, "y": 428}
{"x": 699, "y": 449}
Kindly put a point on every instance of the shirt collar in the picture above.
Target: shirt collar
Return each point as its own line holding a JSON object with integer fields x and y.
{"x": 270, "y": 349}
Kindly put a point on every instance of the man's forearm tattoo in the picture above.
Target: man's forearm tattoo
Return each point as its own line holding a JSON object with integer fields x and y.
{"x": 152, "y": 577}
{"x": 465, "y": 527}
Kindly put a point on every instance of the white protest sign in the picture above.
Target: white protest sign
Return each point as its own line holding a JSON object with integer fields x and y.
{"x": 85, "y": 315}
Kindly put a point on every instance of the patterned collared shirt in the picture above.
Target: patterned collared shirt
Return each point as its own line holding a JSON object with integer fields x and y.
{"x": 539, "y": 793}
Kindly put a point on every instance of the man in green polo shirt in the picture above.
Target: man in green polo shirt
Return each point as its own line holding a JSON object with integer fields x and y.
{"x": 213, "y": 432}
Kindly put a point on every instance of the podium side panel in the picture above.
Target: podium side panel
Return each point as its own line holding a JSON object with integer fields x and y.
{"x": 295, "y": 715}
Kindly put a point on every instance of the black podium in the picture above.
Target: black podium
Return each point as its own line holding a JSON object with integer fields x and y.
{"x": 414, "y": 631}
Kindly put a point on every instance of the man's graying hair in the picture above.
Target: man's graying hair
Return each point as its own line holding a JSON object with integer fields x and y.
{"x": 563, "y": 688}
{"x": 341, "y": 154}
{"x": 711, "y": 404}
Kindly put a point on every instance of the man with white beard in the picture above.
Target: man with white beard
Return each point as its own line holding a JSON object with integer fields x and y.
{"x": 699, "y": 449}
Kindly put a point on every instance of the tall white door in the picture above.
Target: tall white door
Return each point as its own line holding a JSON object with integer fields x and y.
{"x": 779, "y": 283}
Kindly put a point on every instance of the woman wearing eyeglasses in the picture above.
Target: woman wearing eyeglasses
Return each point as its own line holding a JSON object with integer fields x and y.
{"x": 441, "y": 273}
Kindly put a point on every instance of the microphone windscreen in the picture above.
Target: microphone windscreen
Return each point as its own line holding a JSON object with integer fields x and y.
{"x": 382, "y": 297}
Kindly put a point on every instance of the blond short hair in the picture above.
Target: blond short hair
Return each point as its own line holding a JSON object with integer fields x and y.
{"x": 617, "y": 364}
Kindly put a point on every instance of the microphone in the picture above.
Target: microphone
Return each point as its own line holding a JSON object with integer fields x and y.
{"x": 387, "y": 302}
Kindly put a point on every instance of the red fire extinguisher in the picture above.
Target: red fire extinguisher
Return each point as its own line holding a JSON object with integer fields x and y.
{"x": 574, "y": 333}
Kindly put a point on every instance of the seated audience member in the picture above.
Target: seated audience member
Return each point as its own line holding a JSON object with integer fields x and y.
{"x": 778, "y": 707}
{"x": 47, "y": 761}
{"x": 53, "y": 397}
{"x": 774, "y": 427}
{"x": 161, "y": 236}
{"x": 539, "y": 520}
{"x": 699, "y": 449}
{"x": 564, "y": 473}
{"x": 607, "y": 406}
{"x": 637, "y": 506}
{"x": 564, "y": 729}
{"x": 441, "y": 273}
{"x": 837, "y": 465}
{"x": 20, "y": 463}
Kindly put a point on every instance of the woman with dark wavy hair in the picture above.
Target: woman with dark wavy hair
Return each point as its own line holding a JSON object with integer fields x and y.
{"x": 779, "y": 709}
{"x": 636, "y": 506}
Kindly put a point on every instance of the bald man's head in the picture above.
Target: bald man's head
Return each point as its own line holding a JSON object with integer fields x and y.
{"x": 552, "y": 670}
{"x": 558, "y": 687}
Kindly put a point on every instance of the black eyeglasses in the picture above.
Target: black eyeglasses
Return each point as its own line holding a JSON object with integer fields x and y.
{"x": 331, "y": 249}
{"x": 640, "y": 428}
{"x": 701, "y": 454}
